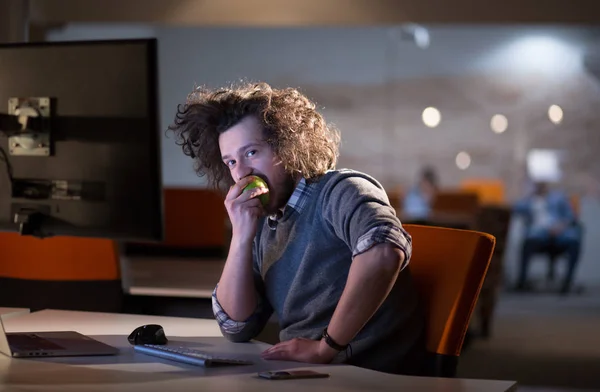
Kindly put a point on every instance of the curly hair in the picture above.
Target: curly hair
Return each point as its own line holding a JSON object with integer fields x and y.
{"x": 291, "y": 125}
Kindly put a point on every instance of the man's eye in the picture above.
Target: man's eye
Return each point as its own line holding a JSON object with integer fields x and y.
{"x": 250, "y": 153}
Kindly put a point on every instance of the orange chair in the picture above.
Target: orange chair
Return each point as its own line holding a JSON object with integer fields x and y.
{"x": 490, "y": 191}
{"x": 456, "y": 202}
{"x": 61, "y": 272}
{"x": 575, "y": 203}
{"x": 449, "y": 267}
{"x": 396, "y": 196}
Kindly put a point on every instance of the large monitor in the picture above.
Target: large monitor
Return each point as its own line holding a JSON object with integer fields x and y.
{"x": 80, "y": 139}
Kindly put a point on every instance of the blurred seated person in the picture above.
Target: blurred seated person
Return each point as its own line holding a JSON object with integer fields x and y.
{"x": 550, "y": 226}
{"x": 418, "y": 200}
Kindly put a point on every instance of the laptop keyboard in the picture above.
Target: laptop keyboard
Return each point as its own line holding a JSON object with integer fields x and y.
{"x": 31, "y": 342}
{"x": 188, "y": 355}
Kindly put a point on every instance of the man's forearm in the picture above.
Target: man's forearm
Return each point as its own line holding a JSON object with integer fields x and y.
{"x": 236, "y": 293}
{"x": 371, "y": 277}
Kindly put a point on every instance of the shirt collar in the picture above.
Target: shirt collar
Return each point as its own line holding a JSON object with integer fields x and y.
{"x": 299, "y": 198}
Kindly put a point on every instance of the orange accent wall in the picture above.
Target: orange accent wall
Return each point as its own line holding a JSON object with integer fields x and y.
{"x": 58, "y": 258}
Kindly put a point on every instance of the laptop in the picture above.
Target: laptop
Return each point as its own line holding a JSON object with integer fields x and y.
{"x": 51, "y": 344}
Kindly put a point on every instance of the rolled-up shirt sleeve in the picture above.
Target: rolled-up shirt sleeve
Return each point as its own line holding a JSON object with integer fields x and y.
{"x": 242, "y": 331}
{"x": 389, "y": 233}
{"x": 227, "y": 325}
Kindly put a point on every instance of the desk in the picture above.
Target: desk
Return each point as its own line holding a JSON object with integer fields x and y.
{"x": 170, "y": 276}
{"x": 132, "y": 371}
{"x": 11, "y": 312}
{"x": 93, "y": 323}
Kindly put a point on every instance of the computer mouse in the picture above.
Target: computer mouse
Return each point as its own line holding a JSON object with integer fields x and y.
{"x": 148, "y": 334}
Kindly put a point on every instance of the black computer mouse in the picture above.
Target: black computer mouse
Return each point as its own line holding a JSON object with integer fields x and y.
{"x": 148, "y": 334}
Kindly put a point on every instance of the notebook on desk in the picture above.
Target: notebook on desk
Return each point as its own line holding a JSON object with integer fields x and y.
{"x": 51, "y": 344}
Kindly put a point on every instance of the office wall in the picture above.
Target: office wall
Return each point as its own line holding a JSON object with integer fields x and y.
{"x": 374, "y": 83}
{"x": 371, "y": 84}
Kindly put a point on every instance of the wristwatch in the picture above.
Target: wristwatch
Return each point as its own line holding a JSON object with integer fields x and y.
{"x": 332, "y": 343}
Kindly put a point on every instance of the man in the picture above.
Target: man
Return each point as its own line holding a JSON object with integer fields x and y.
{"x": 419, "y": 199}
{"x": 550, "y": 224}
{"x": 327, "y": 253}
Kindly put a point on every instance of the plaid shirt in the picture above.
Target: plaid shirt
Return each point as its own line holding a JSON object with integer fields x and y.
{"x": 379, "y": 234}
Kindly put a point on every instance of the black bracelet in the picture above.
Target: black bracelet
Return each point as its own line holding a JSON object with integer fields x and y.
{"x": 331, "y": 343}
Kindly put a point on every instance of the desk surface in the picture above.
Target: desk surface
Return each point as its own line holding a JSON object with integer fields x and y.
{"x": 11, "y": 312}
{"x": 172, "y": 277}
{"x": 131, "y": 371}
{"x": 92, "y": 323}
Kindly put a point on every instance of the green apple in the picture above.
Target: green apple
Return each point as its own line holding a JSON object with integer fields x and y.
{"x": 258, "y": 182}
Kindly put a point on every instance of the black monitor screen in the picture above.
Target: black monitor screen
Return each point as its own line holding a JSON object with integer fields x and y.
{"x": 80, "y": 140}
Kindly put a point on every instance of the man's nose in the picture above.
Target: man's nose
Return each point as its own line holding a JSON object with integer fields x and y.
{"x": 243, "y": 171}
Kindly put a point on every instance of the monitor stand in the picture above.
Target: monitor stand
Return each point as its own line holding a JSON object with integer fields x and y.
{"x": 30, "y": 222}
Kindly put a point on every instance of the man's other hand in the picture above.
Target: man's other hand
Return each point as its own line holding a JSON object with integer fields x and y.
{"x": 300, "y": 350}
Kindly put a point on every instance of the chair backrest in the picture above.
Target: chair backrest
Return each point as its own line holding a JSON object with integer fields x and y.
{"x": 575, "y": 203}
{"x": 449, "y": 267}
{"x": 60, "y": 272}
{"x": 58, "y": 258}
{"x": 396, "y": 196}
{"x": 195, "y": 218}
{"x": 495, "y": 220}
{"x": 196, "y": 226}
{"x": 490, "y": 191}
{"x": 451, "y": 201}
